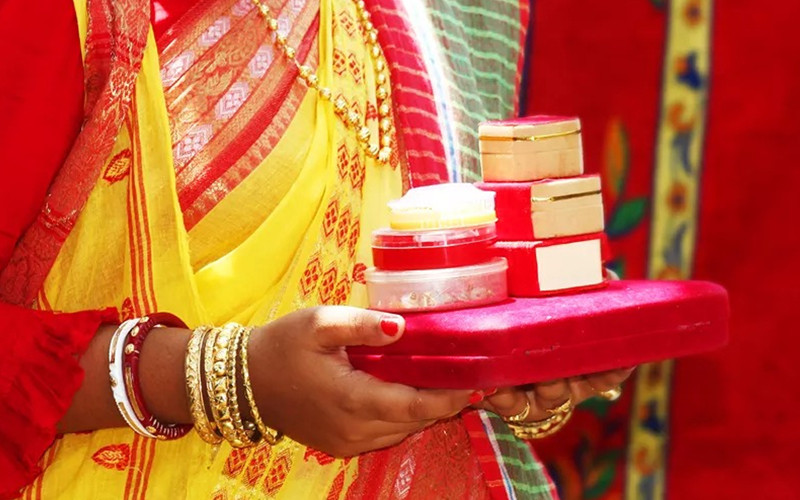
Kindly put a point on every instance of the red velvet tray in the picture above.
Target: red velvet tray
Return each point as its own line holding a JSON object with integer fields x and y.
{"x": 526, "y": 340}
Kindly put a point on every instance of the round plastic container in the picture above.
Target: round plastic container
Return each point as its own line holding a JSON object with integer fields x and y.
{"x": 442, "y": 206}
{"x": 394, "y": 250}
{"x": 438, "y": 289}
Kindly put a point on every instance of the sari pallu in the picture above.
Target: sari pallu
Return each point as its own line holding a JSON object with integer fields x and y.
{"x": 231, "y": 193}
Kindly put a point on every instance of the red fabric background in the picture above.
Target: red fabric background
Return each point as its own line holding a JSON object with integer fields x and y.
{"x": 733, "y": 431}
{"x": 34, "y": 139}
{"x": 602, "y": 62}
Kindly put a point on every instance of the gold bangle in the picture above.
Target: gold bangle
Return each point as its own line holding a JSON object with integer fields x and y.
{"x": 216, "y": 383}
{"x": 271, "y": 435}
{"x": 194, "y": 386}
{"x": 208, "y": 367}
{"x": 244, "y": 434}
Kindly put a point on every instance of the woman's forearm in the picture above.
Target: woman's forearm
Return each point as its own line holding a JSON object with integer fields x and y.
{"x": 161, "y": 372}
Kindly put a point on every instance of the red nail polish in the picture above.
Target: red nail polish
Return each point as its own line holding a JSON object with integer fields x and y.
{"x": 475, "y": 397}
{"x": 390, "y": 325}
{"x": 492, "y": 391}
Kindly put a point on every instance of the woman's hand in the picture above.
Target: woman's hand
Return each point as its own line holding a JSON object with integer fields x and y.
{"x": 550, "y": 395}
{"x": 305, "y": 386}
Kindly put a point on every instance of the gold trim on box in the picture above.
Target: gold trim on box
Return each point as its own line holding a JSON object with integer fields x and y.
{"x": 537, "y": 199}
{"x": 529, "y": 138}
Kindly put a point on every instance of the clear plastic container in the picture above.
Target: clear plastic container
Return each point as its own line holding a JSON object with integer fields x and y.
{"x": 438, "y": 289}
{"x": 410, "y": 250}
{"x": 442, "y": 206}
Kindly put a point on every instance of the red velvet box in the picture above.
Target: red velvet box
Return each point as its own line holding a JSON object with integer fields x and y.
{"x": 550, "y": 208}
{"x": 556, "y": 265}
{"x": 527, "y": 340}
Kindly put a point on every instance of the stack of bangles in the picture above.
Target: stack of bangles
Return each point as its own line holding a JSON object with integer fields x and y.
{"x": 557, "y": 419}
{"x": 216, "y": 374}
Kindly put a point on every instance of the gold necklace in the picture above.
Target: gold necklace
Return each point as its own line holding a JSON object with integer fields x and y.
{"x": 382, "y": 149}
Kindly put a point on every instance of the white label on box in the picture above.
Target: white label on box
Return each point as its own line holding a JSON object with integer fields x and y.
{"x": 569, "y": 265}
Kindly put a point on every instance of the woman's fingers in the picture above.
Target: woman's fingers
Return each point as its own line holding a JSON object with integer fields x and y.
{"x": 551, "y": 394}
{"x": 374, "y": 444}
{"x": 544, "y": 397}
{"x": 382, "y": 435}
{"x": 507, "y": 402}
{"x": 511, "y": 402}
{"x": 376, "y": 430}
{"x": 605, "y": 381}
{"x": 581, "y": 390}
{"x": 372, "y": 398}
{"x": 610, "y": 379}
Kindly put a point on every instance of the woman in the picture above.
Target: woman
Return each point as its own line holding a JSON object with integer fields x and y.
{"x": 228, "y": 172}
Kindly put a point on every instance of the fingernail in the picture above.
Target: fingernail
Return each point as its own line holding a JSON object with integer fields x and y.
{"x": 491, "y": 392}
{"x": 475, "y": 397}
{"x": 390, "y": 325}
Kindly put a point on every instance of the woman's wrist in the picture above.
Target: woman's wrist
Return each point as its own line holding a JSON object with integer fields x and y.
{"x": 93, "y": 406}
{"x": 148, "y": 383}
{"x": 162, "y": 375}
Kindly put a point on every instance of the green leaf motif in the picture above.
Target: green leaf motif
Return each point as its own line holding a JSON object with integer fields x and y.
{"x": 626, "y": 217}
{"x": 618, "y": 266}
{"x": 596, "y": 406}
{"x": 604, "y": 480}
{"x": 617, "y": 159}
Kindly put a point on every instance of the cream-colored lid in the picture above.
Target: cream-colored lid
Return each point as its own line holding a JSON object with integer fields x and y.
{"x": 532, "y": 128}
{"x": 442, "y": 206}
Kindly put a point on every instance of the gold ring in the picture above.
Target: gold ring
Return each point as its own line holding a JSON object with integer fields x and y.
{"x": 521, "y": 416}
{"x": 543, "y": 428}
{"x": 562, "y": 409}
{"x": 612, "y": 394}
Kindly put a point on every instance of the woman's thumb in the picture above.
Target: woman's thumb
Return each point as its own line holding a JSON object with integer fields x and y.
{"x": 338, "y": 326}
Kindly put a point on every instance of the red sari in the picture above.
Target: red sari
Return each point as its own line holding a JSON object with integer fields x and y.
{"x": 39, "y": 370}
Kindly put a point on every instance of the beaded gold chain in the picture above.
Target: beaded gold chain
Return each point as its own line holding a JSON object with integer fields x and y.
{"x": 382, "y": 149}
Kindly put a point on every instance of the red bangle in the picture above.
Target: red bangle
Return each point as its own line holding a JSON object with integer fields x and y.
{"x": 131, "y": 380}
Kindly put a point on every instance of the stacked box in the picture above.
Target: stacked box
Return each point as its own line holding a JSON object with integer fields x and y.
{"x": 532, "y": 148}
{"x": 550, "y": 215}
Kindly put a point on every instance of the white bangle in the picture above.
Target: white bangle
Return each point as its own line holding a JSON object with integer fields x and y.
{"x": 118, "y": 382}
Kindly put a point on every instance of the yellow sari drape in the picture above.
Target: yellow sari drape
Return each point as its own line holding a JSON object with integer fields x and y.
{"x": 239, "y": 262}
